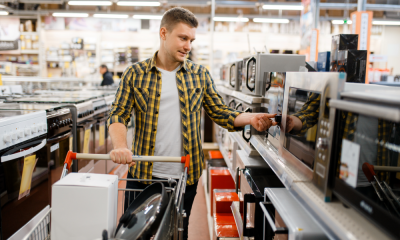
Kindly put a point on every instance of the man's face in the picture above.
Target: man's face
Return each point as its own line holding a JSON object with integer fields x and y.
{"x": 103, "y": 70}
{"x": 178, "y": 41}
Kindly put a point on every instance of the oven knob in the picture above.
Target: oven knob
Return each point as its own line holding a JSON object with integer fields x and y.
{"x": 34, "y": 129}
{"x": 39, "y": 127}
{"x": 44, "y": 127}
{"x": 14, "y": 136}
{"x": 323, "y": 143}
{"x": 20, "y": 133}
{"x": 7, "y": 138}
{"x": 27, "y": 131}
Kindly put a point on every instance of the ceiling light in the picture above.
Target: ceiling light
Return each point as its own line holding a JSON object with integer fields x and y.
{"x": 386, "y": 22}
{"x": 230, "y": 19}
{"x": 342, "y": 22}
{"x": 2, "y": 6}
{"x": 158, "y": 17}
{"x": 271, "y": 20}
{"x": 3, "y": 13}
{"x": 282, "y": 7}
{"x": 59, "y": 14}
{"x": 138, "y": 4}
{"x": 110, "y": 15}
{"x": 90, "y": 3}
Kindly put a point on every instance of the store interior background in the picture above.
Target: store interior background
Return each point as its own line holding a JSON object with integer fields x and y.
{"x": 106, "y": 40}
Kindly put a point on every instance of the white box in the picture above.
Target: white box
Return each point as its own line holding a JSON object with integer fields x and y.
{"x": 83, "y": 205}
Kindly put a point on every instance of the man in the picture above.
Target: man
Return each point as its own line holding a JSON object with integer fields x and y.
{"x": 107, "y": 76}
{"x": 167, "y": 93}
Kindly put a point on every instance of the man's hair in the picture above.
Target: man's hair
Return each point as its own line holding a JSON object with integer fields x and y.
{"x": 104, "y": 66}
{"x": 178, "y": 15}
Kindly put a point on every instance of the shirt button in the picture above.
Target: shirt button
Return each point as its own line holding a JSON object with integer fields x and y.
{"x": 158, "y": 95}
{"x": 156, "y": 112}
{"x": 154, "y": 129}
{"x": 152, "y": 146}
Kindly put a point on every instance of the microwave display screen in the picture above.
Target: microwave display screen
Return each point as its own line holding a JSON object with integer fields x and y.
{"x": 301, "y": 124}
{"x": 275, "y": 97}
{"x": 369, "y": 141}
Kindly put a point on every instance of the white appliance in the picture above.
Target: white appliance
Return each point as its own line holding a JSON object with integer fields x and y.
{"x": 83, "y": 205}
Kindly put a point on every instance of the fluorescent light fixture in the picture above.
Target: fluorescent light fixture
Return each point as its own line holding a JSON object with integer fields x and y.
{"x": 138, "y": 4}
{"x": 90, "y": 3}
{"x": 282, "y": 7}
{"x": 230, "y": 19}
{"x": 59, "y": 14}
{"x": 3, "y": 13}
{"x": 270, "y": 20}
{"x": 110, "y": 15}
{"x": 342, "y": 22}
{"x": 386, "y": 22}
{"x": 158, "y": 17}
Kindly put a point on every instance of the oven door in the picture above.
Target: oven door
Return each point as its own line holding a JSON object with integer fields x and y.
{"x": 24, "y": 185}
{"x": 85, "y": 142}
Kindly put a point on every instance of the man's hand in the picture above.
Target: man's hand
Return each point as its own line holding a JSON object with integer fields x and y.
{"x": 122, "y": 156}
{"x": 262, "y": 122}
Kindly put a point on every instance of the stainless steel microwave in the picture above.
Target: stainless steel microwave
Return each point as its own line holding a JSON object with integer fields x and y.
{"x": 366, "y": 155}
{"x": 307, "y": 122}
{"x": 256, "y": 70}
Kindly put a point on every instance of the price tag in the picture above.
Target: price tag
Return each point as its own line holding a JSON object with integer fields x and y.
{"x": 54, "y": 147}
{"x": 86, "y": 141}
{"x": 26, "y": 179}
{"x": 102, "y": 133}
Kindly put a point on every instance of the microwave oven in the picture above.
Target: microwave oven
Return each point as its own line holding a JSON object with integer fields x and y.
{"x": 366, "y": 155}
{"x": 249, "y": 130}
{"x": 256, "y": 70}
{"x": 307, "y": 122}
{"x": 235, "y": 75}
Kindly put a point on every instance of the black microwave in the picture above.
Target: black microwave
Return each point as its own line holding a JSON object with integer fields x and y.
{"x": 366, "y": 155}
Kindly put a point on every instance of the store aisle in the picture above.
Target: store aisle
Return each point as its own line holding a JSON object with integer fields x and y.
{"x": 198, "y": 225}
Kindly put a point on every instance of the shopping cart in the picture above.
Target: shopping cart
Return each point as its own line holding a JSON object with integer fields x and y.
{"x": 171, "y": 226}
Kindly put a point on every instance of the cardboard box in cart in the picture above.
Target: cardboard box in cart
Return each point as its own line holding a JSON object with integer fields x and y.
{"x": 83, "y": 205}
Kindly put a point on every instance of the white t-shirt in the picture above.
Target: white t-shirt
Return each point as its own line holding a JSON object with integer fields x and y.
{"x": 169, "y": 128}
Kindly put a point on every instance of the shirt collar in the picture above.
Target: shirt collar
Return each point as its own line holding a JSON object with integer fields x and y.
{"x": 152, "y": 64}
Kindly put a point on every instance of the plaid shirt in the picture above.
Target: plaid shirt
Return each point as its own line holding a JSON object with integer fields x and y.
{"x": 140, "y": 90}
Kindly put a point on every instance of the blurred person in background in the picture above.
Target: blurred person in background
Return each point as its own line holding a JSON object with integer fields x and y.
{"x": 107, "y": 76}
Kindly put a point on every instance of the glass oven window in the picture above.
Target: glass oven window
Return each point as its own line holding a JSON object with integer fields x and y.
{"x": 275, "y": 96}
{"x": 303, "y": 114}
{"x": 371, "y": 141}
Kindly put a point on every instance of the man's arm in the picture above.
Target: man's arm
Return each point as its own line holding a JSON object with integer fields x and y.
{"x": 119, "y": 117}
{"x": 229, "y": 118}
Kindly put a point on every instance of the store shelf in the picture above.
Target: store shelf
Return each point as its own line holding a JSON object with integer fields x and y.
{"x": 337, "y": 221}
{"x": 28, "y": 51}
{"x": 244, "y": 97}
{"x": 250, "y": 151}
{"x": 210, "y": 220}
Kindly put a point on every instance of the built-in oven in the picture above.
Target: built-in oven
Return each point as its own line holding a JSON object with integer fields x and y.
{"x": 254, "y": 175}
{"x": 306, "y": 126}
{"x": 242, "y": 106}
{"x": 365, "y": 155}
{"x": 24, "y": 170}
{"x": 257, "y": 68}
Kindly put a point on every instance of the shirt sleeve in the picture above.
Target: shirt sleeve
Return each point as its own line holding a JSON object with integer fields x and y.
{"x": 215, "y": 107}
{"x": 124, "y": 101}
{"x": 308, "y": 114}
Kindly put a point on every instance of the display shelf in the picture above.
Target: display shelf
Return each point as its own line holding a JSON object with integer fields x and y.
{"x": 337, "y": 221}
{"x": 250, "y": 151}
{"x": 235, "y": 207}
{"x": 239, "y": 95}
{"x": 30, "y": 51}
{"x": 29, "y": 33}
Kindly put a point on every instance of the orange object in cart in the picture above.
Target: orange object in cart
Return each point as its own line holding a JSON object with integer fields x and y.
{"x": 220, "y": 179}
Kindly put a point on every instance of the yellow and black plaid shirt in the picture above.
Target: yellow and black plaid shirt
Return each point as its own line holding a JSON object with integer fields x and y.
{"x": 140, "y": 90}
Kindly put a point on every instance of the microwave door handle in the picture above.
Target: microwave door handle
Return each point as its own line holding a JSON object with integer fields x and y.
{"x": 247, "y": 73}
{"x": 247, "y": 198}
{"x": 230, "y": 70}
{"x": 267, "y": 80}
{"x": 243, "y": 132}
{"x": 271, "y": 220}
{"x": 238, "y": 105}
{"x": 23, "y": 153}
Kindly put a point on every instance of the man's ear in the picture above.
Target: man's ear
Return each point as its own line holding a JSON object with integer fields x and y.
{"x": 163, "y": 33}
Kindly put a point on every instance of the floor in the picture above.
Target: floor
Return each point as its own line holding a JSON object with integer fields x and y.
{"x": 198, "y": 225}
